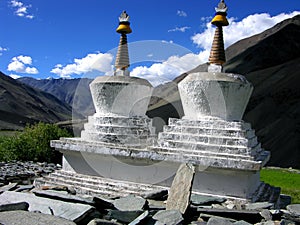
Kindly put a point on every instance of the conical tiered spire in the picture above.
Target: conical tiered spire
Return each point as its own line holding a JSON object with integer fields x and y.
{"x": 217, "y": 53}
{"x": 122, "y": 58}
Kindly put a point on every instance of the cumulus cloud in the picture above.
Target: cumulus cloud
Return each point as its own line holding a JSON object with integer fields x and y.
{"x": 181, "y": 29}
{"x": 21, "y": 64}
{"x": 101, "y": 62}
{"x": 20, "y": 9}
{"x": 166, "y": 71}
{"x": 237, "y": 30}
{"x": 181, "y": 13}
{"x": 2, "y": 50}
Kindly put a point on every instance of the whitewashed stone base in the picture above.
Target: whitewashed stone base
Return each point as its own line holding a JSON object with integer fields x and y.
{"x": 130, "y": 131}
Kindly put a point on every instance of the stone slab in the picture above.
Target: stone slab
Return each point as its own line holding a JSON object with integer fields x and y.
{"x": 294, "y": 209}
{"x": 63, "y": 196}
{"x": 168, "y": 217}
{"x": 69, "y": 211}
{"x": 205, "y": 200}
{"x": 30, "y": 218}
{"x": 130, "y": 203}
{"x": 219, "y": 221}
{"x": 181, "y": 188}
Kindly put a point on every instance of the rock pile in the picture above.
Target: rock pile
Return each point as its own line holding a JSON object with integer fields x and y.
{"x": 24, "y": 172}
{"x": 25, "y": 204}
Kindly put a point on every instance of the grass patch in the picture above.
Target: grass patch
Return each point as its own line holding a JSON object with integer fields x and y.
{"x": 288, "y": 180}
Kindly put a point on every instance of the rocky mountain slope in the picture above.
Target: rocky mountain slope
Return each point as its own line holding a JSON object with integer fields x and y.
{"x": 21, "y": 104}
{"x": 271, "y": 62}
{"x": 75, "y": 92}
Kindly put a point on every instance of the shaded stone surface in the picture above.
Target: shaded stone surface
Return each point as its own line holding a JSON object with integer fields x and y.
{"x": 30, "y": 218}
{"x": 205, "y": 200}
{"x": 180, "y": 191}
{"x": 14, "y": 206}
{"x": 123, "y": 216}
{"x": 103, "y": 203}
{"x": 219, "y": 221}
{"x": 140, "y": 218}
{"x": 71, "y": 211}
{"x": 259, "y": 205}
{"x": 168, "y": 217}
{"x": 294, "y": 209}
{"x": 130, "y": 203}
{"x": 156, "y": 194}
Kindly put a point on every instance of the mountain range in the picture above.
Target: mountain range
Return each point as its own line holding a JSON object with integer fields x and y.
{"x": 21, "y": 104}
{"x": 269, "y": 60}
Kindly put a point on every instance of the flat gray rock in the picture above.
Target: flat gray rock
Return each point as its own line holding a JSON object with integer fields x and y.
{"x": 168, "y": 217}
{"x": 180, "y": 191}
{"x": 70, "y": 211}
{"x": 130, "y": 203}
{"x": 218, "y": 221}
{"x": 258, "y": 205}
{"x": 30, "y": 218}
{"x": 123, "y": 216}
{"x": 205, "y": 200}
{"x": 64, "y": 196}
{"x": 294, "y": 209}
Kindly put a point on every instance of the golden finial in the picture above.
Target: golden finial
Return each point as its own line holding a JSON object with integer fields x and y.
{"x": 220, "y": 16}
{"x": 217, "y": 53}
{"x": 124, "y": 24}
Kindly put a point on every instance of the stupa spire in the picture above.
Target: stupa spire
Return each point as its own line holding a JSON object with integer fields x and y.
{"x": 122, "y": 58}
{"x": 217, "y": 53}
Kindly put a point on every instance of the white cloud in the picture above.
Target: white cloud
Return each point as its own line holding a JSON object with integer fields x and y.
{"x": 2, "y": 50}
{"x": 159, "y": 73}
{"x": 238, "y": 30}
{"x": 181, "y": 29}
{"x": 14, "y": 76}
{"x": 101, "y": 62}
{"x": 21, "y": 9}
{"x": 181, "y": 13}
{"x": 23, "y": 59}
{"x": 21, "y": 64}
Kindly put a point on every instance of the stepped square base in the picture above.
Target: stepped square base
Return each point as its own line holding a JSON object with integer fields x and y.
{"x": 215, "y": 175}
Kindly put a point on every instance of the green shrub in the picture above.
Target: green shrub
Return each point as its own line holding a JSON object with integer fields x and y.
{"x": 33, "y": 144}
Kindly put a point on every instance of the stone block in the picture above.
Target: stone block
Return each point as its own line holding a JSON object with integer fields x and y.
{"x": 130, "y": 203}
{"x": 181, "y": 188}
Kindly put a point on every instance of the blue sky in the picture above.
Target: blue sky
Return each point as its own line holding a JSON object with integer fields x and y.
{"x": 73, "y": 38}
